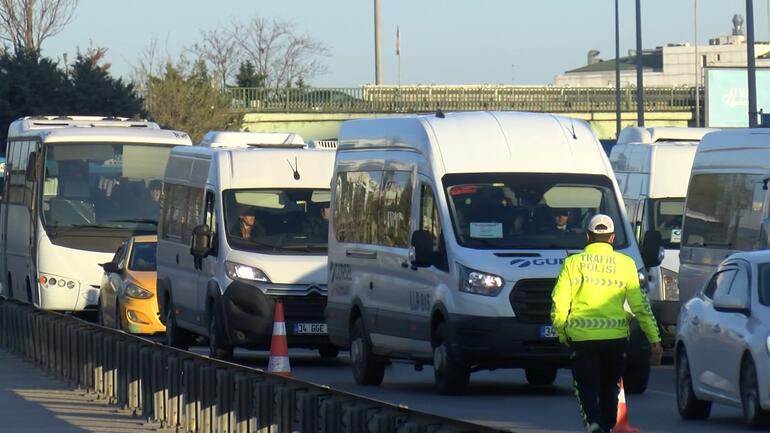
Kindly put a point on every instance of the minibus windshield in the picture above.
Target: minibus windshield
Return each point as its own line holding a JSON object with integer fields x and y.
{"x": 529, "y": 210}
{"x": 102, "y": 185}
{"x": 283, "y": 221}
{"x": 667, "y": 217}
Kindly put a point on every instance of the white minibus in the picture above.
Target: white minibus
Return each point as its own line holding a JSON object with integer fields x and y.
{"x": 244, "y": 225}
{"x": 75, "y": 188}
{"x": 448, "y": 232}
{"x": 727, "y": 204}
{"x": 652, "y": 166}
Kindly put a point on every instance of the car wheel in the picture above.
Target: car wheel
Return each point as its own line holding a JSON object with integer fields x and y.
{"x": 690, "y": 406}
{"x": 328, "y": 351}
{"x": 175, "y": 336}
{"x": 753, "y": 413}
{"x": 218, "y": 348}
{"x": 540, "y": 376}
{"x": 450, "y": 374}
{"x": 636, "y": 378}
{"x": 368, "y": 368}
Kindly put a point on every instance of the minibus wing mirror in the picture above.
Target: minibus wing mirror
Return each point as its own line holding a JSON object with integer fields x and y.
{"x": 201, "y": 241}
{"x": 422, "y": 242}
{"x": 652, "y": 249}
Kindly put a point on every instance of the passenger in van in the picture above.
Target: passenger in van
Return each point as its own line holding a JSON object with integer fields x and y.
{"x": 317, "y": 226}
{"x": 155, "y": 187}
{"x": 246, "y": 227}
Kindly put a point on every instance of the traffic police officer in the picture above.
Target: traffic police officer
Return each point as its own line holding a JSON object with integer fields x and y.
{"x": 588, "y": 314}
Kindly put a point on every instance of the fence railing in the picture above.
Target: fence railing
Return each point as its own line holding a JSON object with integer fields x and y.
{"x": 386, "y": 99}
{"x": 194, "y": 393}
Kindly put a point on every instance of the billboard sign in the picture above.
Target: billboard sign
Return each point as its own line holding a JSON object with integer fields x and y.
{"x": 727, "y": 96}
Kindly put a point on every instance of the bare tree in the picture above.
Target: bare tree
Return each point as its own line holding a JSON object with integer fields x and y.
{"x": 280, "y": 53}
{"x": 27, "y": 23}
{"x": 221, "y": 52}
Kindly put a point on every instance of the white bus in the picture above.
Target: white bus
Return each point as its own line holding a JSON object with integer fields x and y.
{"x": 75, "y": 188}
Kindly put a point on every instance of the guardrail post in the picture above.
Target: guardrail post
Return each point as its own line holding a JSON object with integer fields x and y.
{"x": 263, "y": 400}
{"x": 206, "y": 397}
{"x": 190, "y": 395}
{"x": 224, "y": 384}
{"x": 145, "y": 383}
{"x": 134, "y": 397}
{"x": 158, "y": 386}
{"x": 243, "y": 416}
{"x": 174, "y": 398}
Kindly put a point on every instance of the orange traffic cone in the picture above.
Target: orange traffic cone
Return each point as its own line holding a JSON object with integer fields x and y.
{"x": 279, "y": 349}
{"x": 621, "y": 425}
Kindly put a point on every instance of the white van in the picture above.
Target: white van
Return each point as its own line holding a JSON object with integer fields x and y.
{"x": 652, "y": 166}
{"x": 242, "y": 226}
{"x": 727, "y": 204}
{"x": 444, "y": 247}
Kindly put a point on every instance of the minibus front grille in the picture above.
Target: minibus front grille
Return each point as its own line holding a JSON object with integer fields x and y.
{"x": 531, "y": 300}
{"x": 307, "y": 306}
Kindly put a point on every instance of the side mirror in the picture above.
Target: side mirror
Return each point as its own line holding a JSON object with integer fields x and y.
{"x": 111, "y": 267}
{"x": 422, "y": 245}
{"x": 730, "y": 304}
{"x": 652, "y": 248}
{"x": 201, "y": 241}
{"x": 31, "y": 173}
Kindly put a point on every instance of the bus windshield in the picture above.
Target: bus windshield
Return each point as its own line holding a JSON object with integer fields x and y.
{"x": 667, "y": 217}
{"x": 282, "y": 221}
{"x": 529, "y": 210}
{"x": 102, "y": 185}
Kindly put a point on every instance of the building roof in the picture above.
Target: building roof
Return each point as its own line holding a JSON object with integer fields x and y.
{"x": 649, "y": 60}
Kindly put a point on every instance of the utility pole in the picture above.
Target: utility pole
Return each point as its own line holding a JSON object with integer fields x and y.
{"x": 697, "y": 65}
{"x": 640, "y": 66}
{"x": 377, "y": 65}
{"x": 617, "y": 71}
{"x": 752, "y": 64}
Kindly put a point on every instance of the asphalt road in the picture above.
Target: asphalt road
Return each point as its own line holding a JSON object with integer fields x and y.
{"x": 502, "y": 398}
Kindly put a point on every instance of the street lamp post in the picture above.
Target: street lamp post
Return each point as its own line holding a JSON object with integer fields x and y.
{"x": 697, "y": 65}
{"x": 752, "y": 64}
{"x": 617, "y": 72}
{"x": 640, "y": 66}
{"x": 377, "y": 66}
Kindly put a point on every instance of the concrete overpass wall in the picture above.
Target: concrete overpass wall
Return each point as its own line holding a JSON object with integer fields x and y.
{"x": 326, "y": 125}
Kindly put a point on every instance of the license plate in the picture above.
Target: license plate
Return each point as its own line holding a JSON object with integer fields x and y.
{"x": 548, "y": 332}
{"x": 310, "y": 328}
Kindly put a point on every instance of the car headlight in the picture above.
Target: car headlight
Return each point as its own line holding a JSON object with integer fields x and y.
{"x": 237, "y": 271}
{"x": 480, "y": 283}
{"x": 136, "y": 292}
{"x": 670, "y": 284}
{"x": 644, "y": 284}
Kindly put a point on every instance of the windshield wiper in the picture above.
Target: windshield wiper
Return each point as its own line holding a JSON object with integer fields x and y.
{"x": 84, "y": 226}
{"x": 137, "y": 220}
{"x": 267, "y": 246}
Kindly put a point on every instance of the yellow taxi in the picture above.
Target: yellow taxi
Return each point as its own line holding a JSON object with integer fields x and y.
{"x": 127, "y": 299}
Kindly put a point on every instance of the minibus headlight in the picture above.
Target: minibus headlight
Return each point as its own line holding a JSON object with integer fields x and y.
{"x": 670, "y": 284}
{"x": 237, "y": 271}
{"x": 480, "y": 283}
{"x": 136, "y": 292}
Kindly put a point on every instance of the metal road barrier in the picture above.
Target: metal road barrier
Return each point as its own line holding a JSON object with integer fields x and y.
{"x": 406, "y": 99}
{"x": 194, "y": 393}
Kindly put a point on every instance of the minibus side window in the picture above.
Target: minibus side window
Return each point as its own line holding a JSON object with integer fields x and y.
{"x": 396, "y": 206}
{"x": 430, "y": 222}
{"x": 358, "y": 207}
{"x": 210, "y": 219}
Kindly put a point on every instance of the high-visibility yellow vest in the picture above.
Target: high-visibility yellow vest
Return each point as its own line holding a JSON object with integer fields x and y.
{"x": 590, "y": 294}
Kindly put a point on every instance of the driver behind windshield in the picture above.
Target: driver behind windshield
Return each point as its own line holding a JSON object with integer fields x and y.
{"x": 246, "y": 226}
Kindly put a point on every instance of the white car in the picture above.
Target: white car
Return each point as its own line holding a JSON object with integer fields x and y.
{"x": 723, "y": 341}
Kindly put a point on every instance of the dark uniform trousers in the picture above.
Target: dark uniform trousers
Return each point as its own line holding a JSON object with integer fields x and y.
{"x": 597, "y": 366}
